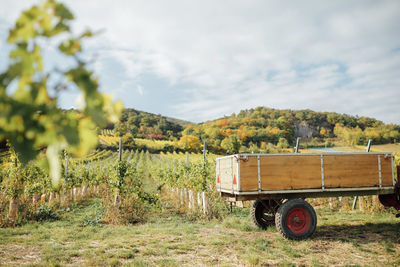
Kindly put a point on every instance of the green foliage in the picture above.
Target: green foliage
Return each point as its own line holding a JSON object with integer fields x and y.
{"x": 30, "y": 117}
{"x": 44, "y": 213}
{"x": 357, "y": 136}
{"x": 119, "y": 177}
{"x": 126, "y": 198}
{"x": 231, "y": 144}
{"x": 148, "y": 126}
{"x": 172, "y": 171}
{"x": 283, "y": 143}
{"x": 36, "y": 179}
{"x": 190, "y": 143}
{"x": 95, "y": 216}
{"x": 95, "y": 221}
{"x": 13, "y": 180}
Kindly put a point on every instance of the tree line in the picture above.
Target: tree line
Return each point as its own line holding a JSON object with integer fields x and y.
{"x": 255, "y": 130}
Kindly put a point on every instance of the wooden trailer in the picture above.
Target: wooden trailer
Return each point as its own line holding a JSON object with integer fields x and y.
{"x": 279, "y": 183}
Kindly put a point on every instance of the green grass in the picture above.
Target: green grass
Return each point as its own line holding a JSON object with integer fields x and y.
{"x": 167, "y": 239}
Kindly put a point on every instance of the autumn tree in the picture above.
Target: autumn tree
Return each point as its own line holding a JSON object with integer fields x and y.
{"x": 323, "y": 132}
{"x": 282, "y": 143}
{"x": 190, "y": 143}
{"x": 231, "y": 144}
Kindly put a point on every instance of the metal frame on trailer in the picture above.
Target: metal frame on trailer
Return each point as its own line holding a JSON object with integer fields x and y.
{"x": 306, "y": 193}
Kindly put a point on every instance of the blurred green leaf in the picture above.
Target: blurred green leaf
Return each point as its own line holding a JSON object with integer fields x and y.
{"x": 70, "y": 47}
{"x": 63, "y": 12}
{"x": 29, "y": 118}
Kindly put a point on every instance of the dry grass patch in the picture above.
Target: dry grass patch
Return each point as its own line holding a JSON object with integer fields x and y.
{"x": 15, "y": 254}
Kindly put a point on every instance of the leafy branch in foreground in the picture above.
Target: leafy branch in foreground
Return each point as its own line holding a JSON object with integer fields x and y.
{"x": 29, "y": 93}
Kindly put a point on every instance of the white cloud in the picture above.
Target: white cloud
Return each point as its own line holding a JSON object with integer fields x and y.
{"x": 341, "y": 56}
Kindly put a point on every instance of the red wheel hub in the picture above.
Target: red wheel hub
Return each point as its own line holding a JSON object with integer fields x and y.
{"x": 298, "y": 220}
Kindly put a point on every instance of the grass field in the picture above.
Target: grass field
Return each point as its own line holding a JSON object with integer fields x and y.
{"x": 169, "y": 239}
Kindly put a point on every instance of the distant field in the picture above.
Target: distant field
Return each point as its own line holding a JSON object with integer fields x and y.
{"x": 111, "y": 140}
{"x": 108, "y": 140}
{"x": 153, "y": 144}
{"x": 394, "y": 148}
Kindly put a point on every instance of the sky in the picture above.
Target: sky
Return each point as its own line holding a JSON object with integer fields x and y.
{"x": 201, "y": 60}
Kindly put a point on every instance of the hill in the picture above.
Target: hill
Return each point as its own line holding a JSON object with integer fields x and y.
{"x": 147, "y": 125}
{"x": 257, "y": 130}
{"x": 260, "y": 128}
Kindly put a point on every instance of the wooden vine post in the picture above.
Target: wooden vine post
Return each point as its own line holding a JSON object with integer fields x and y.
{"x": 203, "y": 194}
{"x": 186, "y": 195}
{"x": 13, "y": 210}
{"x": 65, "y": 177}
{"x": 117, "y": 199}
{"x": 14, "y": 203}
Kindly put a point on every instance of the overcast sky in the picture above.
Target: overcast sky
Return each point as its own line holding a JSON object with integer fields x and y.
{"x": 200, "y": 60}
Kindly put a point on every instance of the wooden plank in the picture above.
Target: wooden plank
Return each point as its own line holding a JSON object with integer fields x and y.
{"x": 249, "y": 174}
{"x": 386, "y": 169}
{"x": 290, "y": 172}
{"x": 351, "y": 170}
{"x": 225, "y": 174}
{"x": 234, "y": 173}
{"x": 281, "y": 172}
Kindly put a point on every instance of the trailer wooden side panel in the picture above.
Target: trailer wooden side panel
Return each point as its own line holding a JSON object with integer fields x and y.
{"x": 281, "y": 173}
{"x": 235, "y": 181}
{"x": 249, "y": 174}
{"x": 341, "y": 171}
{"x": 225, "y": 173}
{"x": 325, "y": 171}
{"x": 387, "y": 171}
{"x": 288, "y": 172}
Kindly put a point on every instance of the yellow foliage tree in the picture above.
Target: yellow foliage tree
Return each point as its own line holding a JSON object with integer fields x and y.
{"x": 190, "y": 143}
{"x": 323, "y": 132}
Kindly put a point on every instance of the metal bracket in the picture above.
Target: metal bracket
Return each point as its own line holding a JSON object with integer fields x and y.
{"x": 322, "y": 172}
{"x": 233, "y": 175}
{"x": 380, "y": 170}
{"x": 238, "y": 176}
{"x": 259, "y": 174}
{"x": 240, "y": 157}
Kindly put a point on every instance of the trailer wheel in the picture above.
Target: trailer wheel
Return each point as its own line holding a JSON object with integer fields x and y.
{"x": 296, "y": 219}
{"x": 263, "y": 212}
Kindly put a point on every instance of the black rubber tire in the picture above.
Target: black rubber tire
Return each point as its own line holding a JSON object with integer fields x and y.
{"x": 288, "y": 212}
{"x": 263, "y": 212}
